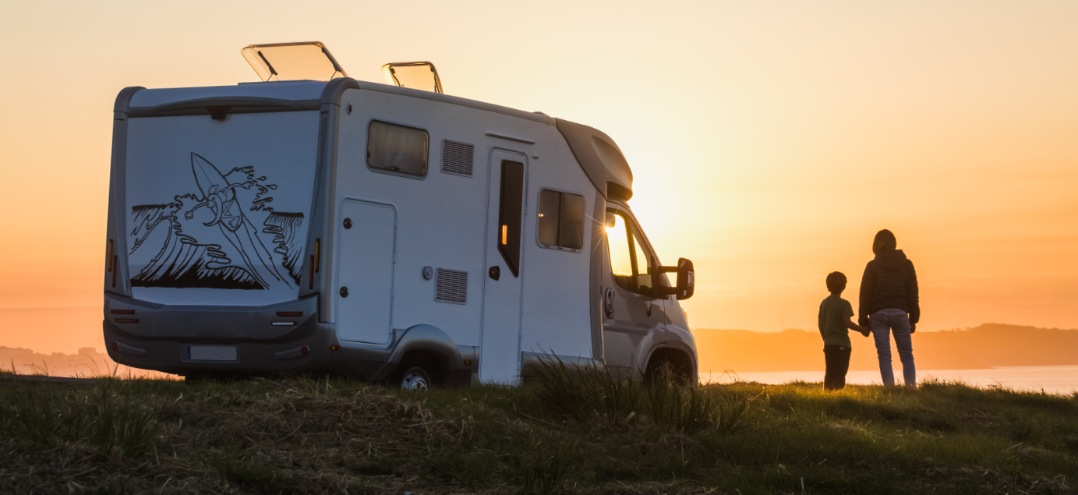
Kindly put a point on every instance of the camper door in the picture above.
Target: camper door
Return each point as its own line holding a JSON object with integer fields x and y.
{"x": 499, "y": 360}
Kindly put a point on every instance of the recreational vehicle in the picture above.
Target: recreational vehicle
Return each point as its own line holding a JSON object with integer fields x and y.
{"x": 311, "y": 221}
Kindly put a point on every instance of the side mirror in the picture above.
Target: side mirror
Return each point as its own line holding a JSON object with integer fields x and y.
{"x": 686, "y": 280}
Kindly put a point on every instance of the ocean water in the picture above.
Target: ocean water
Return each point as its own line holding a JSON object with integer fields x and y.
{"x": 1049, "y": 379}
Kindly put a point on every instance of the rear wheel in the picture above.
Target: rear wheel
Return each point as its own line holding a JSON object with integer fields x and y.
{"x": 417, "y": 374}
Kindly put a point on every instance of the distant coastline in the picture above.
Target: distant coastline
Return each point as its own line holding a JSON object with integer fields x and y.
{"x": 986, "y": 346}
{"x": 1061, "y": 380}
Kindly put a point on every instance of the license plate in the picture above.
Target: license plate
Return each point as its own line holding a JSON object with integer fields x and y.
{"x": 211, "y": 353}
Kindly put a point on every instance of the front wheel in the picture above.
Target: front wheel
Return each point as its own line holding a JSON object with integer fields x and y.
{"x": 668, "y": 370}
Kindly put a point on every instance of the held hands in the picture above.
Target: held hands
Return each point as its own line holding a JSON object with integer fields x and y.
{"x": 913, "y": 327}
{"x": 864, "y": 330}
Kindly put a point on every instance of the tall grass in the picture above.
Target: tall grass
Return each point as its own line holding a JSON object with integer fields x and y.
{"x": 583, "y": 393}
{"x": 592, "y": 393}
{"x": 38, "y": 417}
{"x": 105, "y": 415}
{"x": 120, "y": 422}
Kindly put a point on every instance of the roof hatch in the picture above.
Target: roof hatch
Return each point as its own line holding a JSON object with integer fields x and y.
{"x": 415, "y": 75}
{"x": 309, "y": 60}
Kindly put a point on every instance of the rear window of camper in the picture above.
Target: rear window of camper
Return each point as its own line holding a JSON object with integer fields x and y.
{"x": 561, "y": 219}
{"x": 397, "y": 149}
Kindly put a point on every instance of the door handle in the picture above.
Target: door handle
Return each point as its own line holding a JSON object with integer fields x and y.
{"x": 495, "y": 272}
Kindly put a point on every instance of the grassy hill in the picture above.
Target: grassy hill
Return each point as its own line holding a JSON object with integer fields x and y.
{"x": 560, "y": 432}
{"x": 985, "y": 346}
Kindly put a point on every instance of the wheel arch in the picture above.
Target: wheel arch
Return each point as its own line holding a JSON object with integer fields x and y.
{"x": 429, "y": 343}
{"x": 681, "y": 359}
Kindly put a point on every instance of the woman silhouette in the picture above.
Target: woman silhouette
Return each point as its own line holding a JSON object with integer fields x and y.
{"x": 889, "y": 303}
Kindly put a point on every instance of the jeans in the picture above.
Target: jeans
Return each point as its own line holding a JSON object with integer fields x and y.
{"x": 882, "y": 323}
{"x": 837, "y": 361}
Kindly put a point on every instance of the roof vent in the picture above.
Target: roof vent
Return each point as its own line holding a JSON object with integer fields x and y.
{"x": 305, "y": 60}
{"x": 415, "y": 75}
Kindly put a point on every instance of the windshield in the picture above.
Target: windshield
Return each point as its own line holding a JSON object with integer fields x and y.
{"x": 632, "y": 262}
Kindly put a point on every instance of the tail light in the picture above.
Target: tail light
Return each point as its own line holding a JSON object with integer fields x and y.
{"x": 124, "y": 315}
{"x": 111, "y": 260}
{"x": 316, "y": 260}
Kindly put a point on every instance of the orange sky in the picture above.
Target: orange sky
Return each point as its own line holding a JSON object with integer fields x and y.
{"x": 769, "y": 140}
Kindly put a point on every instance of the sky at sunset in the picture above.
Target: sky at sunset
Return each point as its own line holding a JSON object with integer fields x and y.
{"x": 769, "y": 140}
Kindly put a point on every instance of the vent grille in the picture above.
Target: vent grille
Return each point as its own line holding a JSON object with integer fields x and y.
{"x": 451, "y": 286}
{"x": 457, "y": 158}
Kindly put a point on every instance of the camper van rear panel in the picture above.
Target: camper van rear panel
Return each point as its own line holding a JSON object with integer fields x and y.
{"x": 210, "y": 209}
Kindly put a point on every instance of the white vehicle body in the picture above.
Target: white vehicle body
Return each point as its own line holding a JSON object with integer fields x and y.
{"x": 366, "y": 228}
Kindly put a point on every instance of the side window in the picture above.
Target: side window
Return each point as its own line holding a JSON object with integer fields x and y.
{"x": 397, "y": 149}
{"x": 561, "y": 219}
{"x": 630, "y": 262}
{"x": 510, "y": 210}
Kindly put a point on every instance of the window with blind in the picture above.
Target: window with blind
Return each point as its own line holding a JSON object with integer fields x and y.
{"x": 397, "y": 149}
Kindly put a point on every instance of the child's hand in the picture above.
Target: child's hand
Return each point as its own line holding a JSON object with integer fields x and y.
{"x": 864, "y": 331}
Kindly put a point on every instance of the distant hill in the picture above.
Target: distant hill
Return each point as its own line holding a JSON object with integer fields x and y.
{"x": 986, "y": 346}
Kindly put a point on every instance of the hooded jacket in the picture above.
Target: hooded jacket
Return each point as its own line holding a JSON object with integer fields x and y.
{"x": 889, "y": 281}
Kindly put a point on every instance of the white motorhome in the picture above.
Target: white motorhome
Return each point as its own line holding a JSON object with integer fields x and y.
{"x": 330, "y": 224}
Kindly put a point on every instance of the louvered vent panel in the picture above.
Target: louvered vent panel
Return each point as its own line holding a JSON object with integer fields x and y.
{"x": 457, "y": 158}
{"x": 451, "y": 286}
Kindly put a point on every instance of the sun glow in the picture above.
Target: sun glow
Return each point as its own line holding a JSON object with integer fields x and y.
{"x": 765, "y": 159}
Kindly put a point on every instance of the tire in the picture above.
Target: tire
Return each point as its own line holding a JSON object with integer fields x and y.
{"x": 417, "y": 374}
{"x": 669, "y": 370}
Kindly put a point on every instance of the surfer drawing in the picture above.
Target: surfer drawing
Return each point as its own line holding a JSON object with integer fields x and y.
{"x": 219, "y": 196}
{"x": 221, "y": 233}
